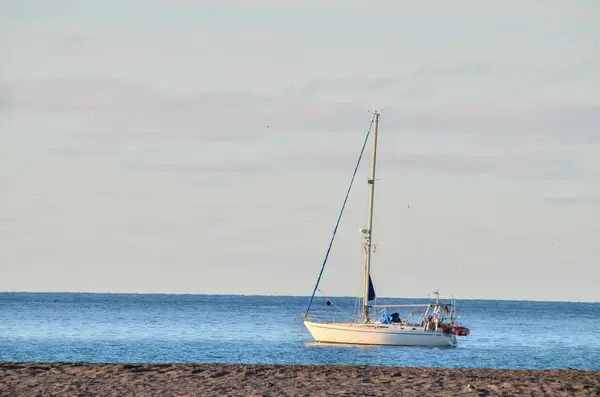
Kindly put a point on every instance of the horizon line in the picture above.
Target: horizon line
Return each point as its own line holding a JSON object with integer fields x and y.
{"x": 280, "y": 295}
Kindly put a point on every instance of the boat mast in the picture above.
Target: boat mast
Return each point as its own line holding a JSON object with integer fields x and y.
{"x": 369, "y": 231}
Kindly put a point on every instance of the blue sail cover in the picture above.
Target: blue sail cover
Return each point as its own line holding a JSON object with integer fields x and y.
{"x": 385, "y": 318}
{"x": 371, "y": 290}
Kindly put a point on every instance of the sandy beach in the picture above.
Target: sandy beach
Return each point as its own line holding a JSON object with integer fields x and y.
{"x": 80, "y": 379}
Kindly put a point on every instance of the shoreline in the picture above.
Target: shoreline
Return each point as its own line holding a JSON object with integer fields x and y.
{"x": 60, "y": 378}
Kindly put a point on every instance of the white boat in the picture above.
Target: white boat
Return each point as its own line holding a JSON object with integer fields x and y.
{"x": 435, "y": 325}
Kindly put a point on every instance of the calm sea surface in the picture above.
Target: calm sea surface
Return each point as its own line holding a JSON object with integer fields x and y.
{"x": 261, "y": 329}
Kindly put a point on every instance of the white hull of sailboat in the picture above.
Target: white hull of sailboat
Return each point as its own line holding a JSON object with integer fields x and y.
{"x": 378, "y": 334}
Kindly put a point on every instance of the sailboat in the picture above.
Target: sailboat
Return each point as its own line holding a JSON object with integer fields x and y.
{"x": 432, "y": 324}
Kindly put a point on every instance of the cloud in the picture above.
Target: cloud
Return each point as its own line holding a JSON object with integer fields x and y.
{"x": 118, "y": 107}
{"x": 428, "y": 162}
{"x": 350, "y": 84}
{"x": 357, "y": 87}
{"x": 405, "y": 7}
{"x": 178, "y": 167}
{"x": 575, "y": 201}
{"x": 111, "y": 95}
{"x": 123, "y": 108}
{"x": 4, "y": 101}
{"x": 519, "y": 123}
{"x": 573, "y": 71}
{"x": 470, "y": 68}
{"x": 28, "y": 8}
{"x": 418, "y": 80}
{"x": 520, "y": 164}
{"x": 74, "y": 151}
{"x": 62, "y": 44}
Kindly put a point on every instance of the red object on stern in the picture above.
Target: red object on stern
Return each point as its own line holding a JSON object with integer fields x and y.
{"x": 462, "y": 331}
{"x": 457, "y": 330}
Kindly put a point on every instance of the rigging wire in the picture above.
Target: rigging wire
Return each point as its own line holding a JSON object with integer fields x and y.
{"x": 333, "y": 304}
{"x": 339, "y": 218}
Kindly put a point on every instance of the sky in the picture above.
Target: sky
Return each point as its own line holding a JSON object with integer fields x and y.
{"x": 188, "y": 146}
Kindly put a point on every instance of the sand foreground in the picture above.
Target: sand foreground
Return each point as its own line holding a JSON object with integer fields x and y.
{"x": 80, "y": 379}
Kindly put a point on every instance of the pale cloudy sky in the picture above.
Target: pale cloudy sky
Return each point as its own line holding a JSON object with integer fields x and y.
{"x": 134, "y": 153}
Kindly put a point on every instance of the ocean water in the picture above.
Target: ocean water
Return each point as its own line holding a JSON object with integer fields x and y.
{"x": 265, "y": 329}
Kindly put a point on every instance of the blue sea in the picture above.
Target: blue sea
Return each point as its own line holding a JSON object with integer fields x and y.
{"x": 268, "y": 329}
